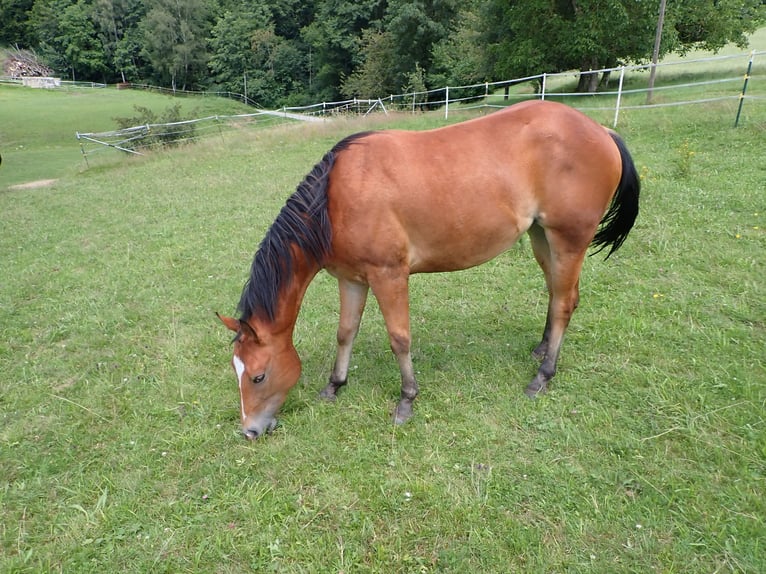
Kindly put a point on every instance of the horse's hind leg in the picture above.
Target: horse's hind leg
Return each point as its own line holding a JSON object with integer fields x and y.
{"x": 561, "y": 262}
{"x": 542, "y": 252}
{"x": 392, "y": 294}
{"x": 353, "y": 297}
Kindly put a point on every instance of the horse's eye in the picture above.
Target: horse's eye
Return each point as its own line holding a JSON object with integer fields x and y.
{"x": 259, "y": 378}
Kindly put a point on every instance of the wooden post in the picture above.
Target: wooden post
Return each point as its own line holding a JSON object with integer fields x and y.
{"x": 656, "y": 52}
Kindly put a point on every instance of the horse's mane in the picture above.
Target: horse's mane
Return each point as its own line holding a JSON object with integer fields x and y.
{"x": 303, "y": 222}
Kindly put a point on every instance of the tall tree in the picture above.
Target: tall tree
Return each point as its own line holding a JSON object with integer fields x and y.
{"x": 14, "y": 23}
{"x": 417, "y": 27}
{"x": 376, "y": 75}
{"x": 174, "y": 34}
{"x": 291, "y": 16}
{"x": 117, "y": 22}
{"x": 83, "y": 51}
{"x": 67, "y": 38}
{"x": 399, "y": 54}
{"x": 711, "y": 24}
{"x": 247, "y": 56}
{"x": 528, "y": 37}
{"x": 458, "y": 57}
{"x": 335, "y": 37}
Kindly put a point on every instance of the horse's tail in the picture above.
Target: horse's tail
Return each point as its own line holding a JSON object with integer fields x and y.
{"x": 622, "y": 213}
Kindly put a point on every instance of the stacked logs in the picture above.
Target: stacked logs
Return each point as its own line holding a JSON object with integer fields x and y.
{"x": 24, "y": 64}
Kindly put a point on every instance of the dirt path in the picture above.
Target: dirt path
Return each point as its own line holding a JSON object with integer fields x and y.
{"x": 33, "y": 184}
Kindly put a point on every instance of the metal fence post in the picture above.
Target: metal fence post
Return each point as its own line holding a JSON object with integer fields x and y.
{"x": 619, "y": 97}
{"x": 744, "y": 87}
{"x": 446, "y": 102}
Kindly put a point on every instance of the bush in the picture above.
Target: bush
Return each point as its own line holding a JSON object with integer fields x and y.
{"x": 160, "y": 130}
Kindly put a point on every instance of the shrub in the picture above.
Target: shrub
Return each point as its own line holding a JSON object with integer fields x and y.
{"x": 159, "y": 130}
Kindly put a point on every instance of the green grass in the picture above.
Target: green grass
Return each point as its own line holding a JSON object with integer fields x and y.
{"x": 38, "y": 127}
{"x": 119, "y": 442}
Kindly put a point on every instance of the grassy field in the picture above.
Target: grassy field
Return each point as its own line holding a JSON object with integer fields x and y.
{"x": 38, "y": 127}
{"x": 119, "y": 439}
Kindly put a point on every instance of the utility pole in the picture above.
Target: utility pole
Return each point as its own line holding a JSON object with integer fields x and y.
{"x": 656, "y": 52}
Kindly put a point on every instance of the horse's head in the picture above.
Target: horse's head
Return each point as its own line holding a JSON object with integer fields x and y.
{"x": 267, "y": 367}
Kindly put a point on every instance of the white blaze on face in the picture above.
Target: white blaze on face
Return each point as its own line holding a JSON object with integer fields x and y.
{"x": 239, "y": 367}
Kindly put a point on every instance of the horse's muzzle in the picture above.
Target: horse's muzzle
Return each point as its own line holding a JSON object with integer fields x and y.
{"x": 254, "y": 431}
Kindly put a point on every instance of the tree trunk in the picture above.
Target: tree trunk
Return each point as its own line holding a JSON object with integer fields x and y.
{"x": 588, "y": 81}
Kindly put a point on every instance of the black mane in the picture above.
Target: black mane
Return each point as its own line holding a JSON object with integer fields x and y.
{"x": 303, "y": 222}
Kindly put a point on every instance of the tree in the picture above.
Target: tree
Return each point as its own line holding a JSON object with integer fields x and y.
{"x": 291, "y": 16}
{"x": 711, "y": 24}
{"x": 77, "y": 35}
{"x": 335, "y": 37}
{"x": 416, "y": 28}
{"x": 528, "y": 37}
{"x": 14, "y": 23}
{"x": 67, "y": 38}
{"x": 376, "y": 75}
{"x": 247, "y": 54}
{"x": 231, "y": 46}
{"x": 174, "y": 33}
{"x": 459, "y": 57}
{"x": 117, "y": 23}
{"x": 399, "y": 53}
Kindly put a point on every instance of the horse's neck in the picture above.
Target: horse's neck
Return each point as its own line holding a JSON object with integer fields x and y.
{"x": 291, "y": 297}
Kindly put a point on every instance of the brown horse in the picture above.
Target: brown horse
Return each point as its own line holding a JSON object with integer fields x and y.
{"x": 381, "y": 206}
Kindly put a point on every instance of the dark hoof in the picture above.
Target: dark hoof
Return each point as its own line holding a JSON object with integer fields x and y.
{"x": 328, "y": 393}
{"x": 402, "y": 413}
{"x": 535, "y": 389}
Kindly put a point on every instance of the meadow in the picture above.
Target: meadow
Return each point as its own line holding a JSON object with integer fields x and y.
{"x": 119, "y": 430}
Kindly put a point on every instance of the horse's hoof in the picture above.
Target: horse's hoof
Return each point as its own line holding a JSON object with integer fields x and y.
{"x": 328, "y": 394}
{"x": 533, "y": 390}
{"x": 402, "y": 413}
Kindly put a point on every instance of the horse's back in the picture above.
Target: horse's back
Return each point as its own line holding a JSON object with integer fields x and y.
{"x": 456, "y": 196}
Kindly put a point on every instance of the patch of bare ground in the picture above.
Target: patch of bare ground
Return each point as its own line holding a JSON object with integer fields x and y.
{"x": 33, "y": 184}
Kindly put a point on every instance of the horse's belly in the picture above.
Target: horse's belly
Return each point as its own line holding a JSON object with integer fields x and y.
{"x": 461, "y": 251}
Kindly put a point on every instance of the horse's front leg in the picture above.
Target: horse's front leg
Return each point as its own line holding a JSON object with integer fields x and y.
{"x": 392, "y": 292}
{"x": 353, "y": 297}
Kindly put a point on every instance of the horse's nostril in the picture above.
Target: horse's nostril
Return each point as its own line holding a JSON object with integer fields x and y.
{"x": 251, "y": 434}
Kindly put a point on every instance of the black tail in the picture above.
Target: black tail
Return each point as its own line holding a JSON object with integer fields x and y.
{"x": 622, "y": 213}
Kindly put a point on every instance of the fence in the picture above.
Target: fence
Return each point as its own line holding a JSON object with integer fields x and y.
{"x": 135, "y": 140}
{"x": 48, "y": 83}
{"x": 627, "y": 94}
{"x": 679, "y": 83}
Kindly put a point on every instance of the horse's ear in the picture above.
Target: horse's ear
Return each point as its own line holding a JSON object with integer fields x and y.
{"x": 231, "y": 323}
{"x": 247, "y": 331}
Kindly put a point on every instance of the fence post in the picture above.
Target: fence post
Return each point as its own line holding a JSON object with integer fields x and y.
{"x": 542, "y": 89}
{"x": 619, "y": 97}
{"x": 82, "y": 150}
{"x": 744, "y": 87}
{"x": 446, "y": 102}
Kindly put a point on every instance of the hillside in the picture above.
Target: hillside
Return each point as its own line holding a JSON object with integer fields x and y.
{"x": 38, "y": 127}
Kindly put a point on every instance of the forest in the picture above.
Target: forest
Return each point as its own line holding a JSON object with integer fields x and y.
{"x": 293, "y": 52}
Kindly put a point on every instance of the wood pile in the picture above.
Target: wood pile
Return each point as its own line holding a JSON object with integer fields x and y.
{"x": 24, "y": 64}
